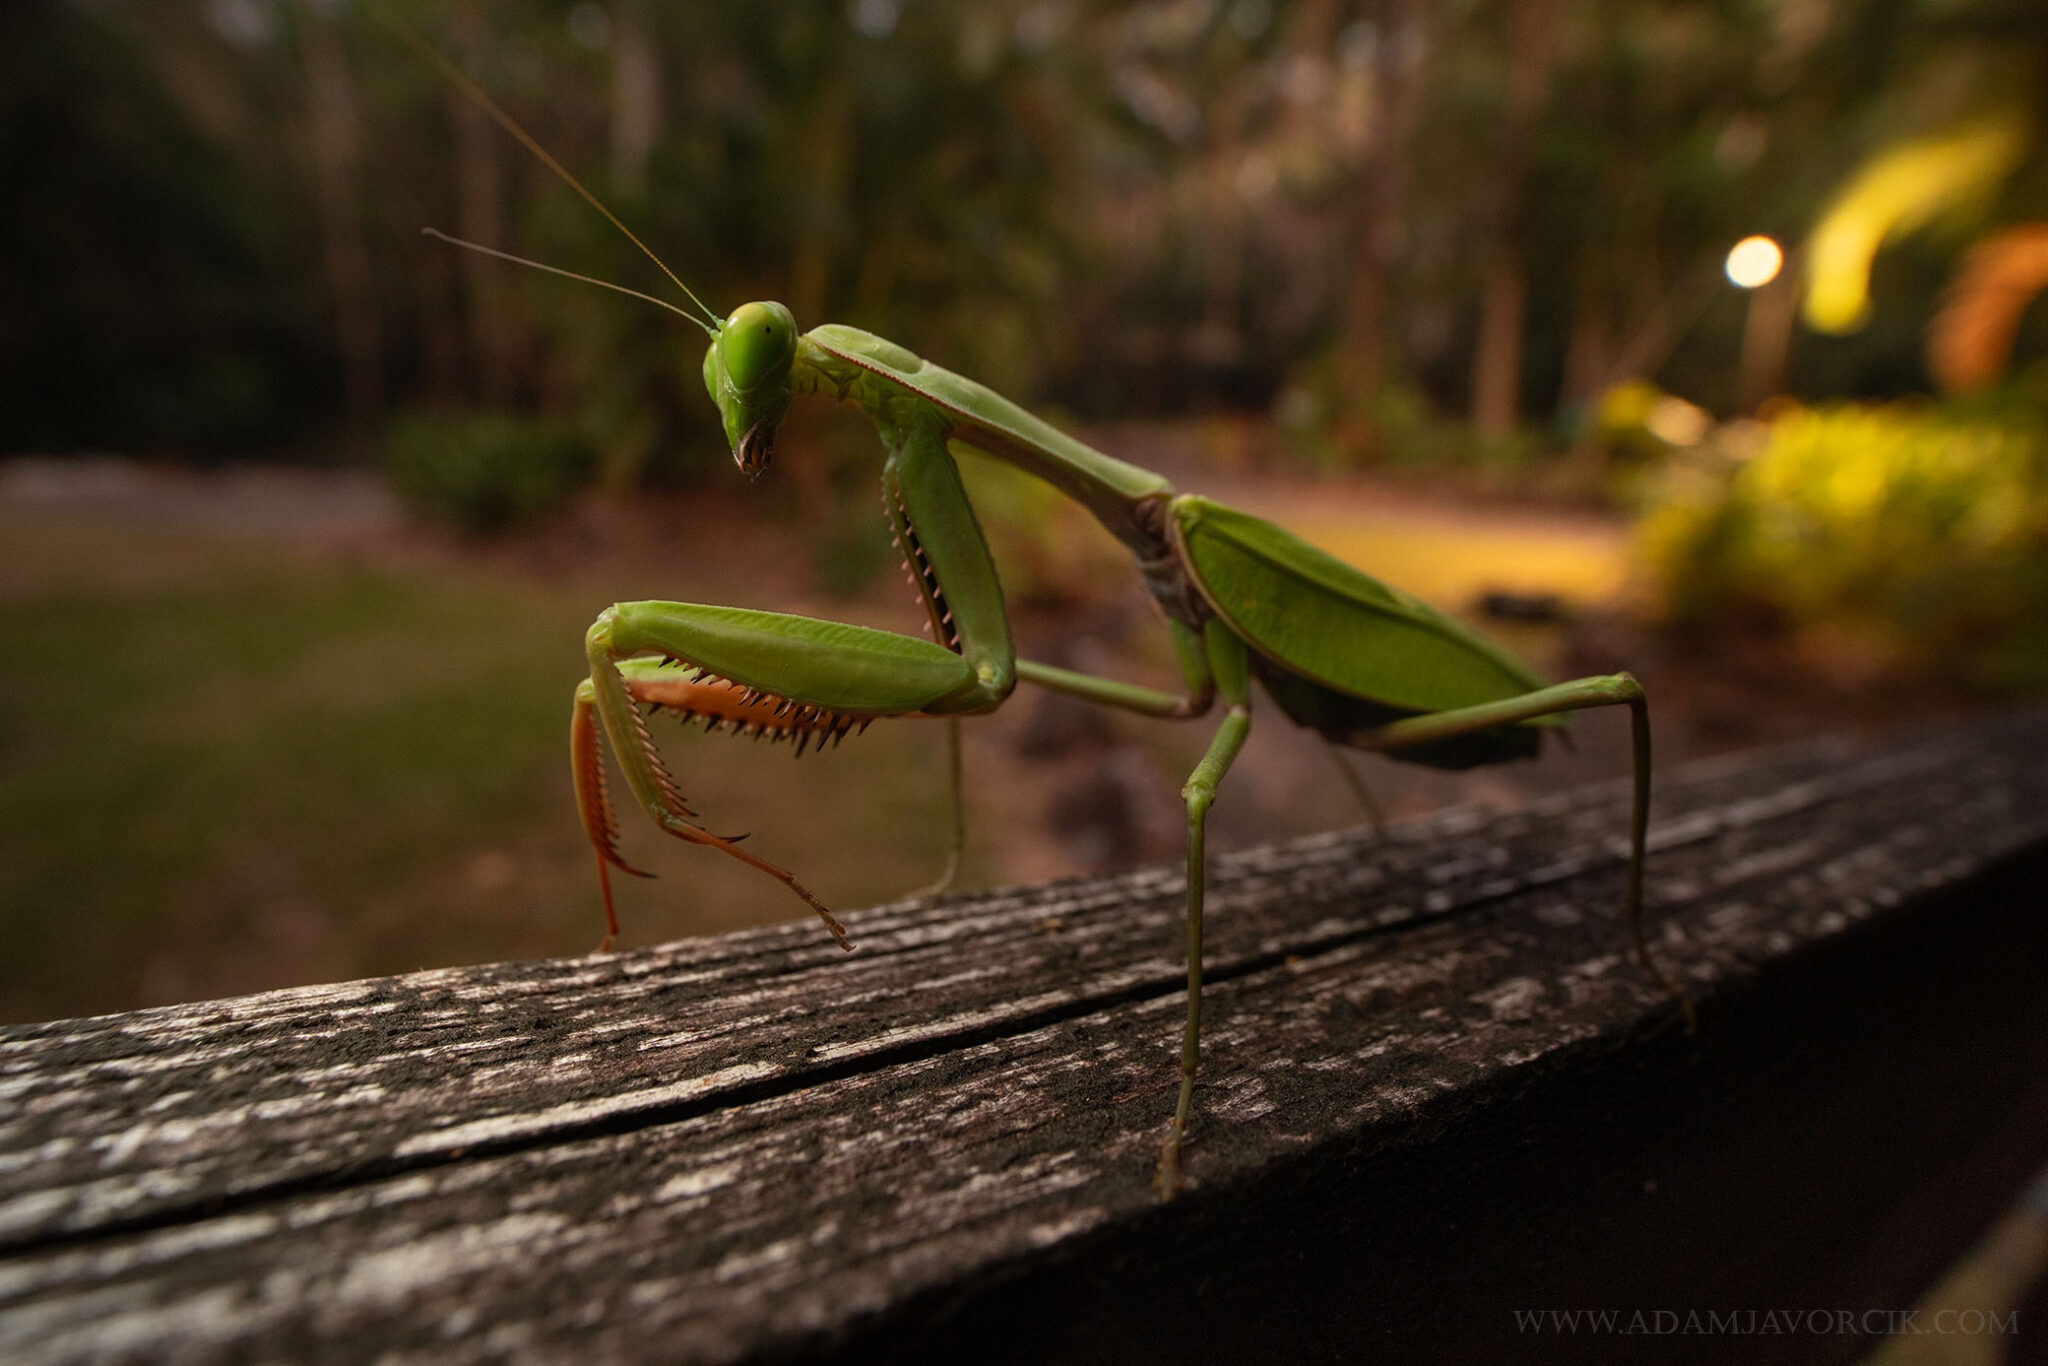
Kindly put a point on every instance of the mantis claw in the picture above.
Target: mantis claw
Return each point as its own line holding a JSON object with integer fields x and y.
{"x": 699, "y": 694}
{"x": 593, "y": 800}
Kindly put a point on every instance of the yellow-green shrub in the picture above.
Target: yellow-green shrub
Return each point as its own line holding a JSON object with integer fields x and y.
{"x": 1924, "y": 529}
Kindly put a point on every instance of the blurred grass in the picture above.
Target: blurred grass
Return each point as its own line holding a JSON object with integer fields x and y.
{"x": 249, "y": 768}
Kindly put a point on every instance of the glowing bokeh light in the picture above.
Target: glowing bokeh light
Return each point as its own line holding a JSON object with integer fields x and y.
{"x": 1754, "y": 261}
{"x": 1900, "y": 190}
{"x": 1674, "y": 420}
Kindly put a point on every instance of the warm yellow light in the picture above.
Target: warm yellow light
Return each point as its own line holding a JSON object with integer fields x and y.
{"x": 1901, "y": 189}
{"x": 1674, "y": 420}
{"x": 1754, "y": 261}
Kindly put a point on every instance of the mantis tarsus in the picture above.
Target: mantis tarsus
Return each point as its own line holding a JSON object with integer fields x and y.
{"x": 1364, "y": 664}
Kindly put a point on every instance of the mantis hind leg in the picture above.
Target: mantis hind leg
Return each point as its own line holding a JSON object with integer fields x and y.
{"x": 1374, "y": 816}
{"x": 1228, "y": 662}
{"x": 1612, "y": 690}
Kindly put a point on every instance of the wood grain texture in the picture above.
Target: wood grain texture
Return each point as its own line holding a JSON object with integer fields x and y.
{"x": 1433, "y": 1081}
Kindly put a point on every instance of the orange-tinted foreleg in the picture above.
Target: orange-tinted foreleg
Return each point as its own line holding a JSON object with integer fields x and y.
{"x": 717, "y": 703}
{"x": 593, "y": 804}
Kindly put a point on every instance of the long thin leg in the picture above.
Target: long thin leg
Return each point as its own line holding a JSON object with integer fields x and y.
{"x": 1610, "y": 690}
{"x": 958, "y": 845}
{"x": 1227, "y": 659}
{"x": 1373, "y": 815}
{"x": 1200, "y": 695}
{"x": 1192, "y": 655}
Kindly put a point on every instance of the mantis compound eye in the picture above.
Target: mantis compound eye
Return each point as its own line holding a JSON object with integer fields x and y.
{"x": 757, "y": 343}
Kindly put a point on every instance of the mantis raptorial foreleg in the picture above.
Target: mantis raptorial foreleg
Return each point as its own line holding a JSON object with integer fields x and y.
{"x": 794, "y": 675}
{"x": 767, "y": 671}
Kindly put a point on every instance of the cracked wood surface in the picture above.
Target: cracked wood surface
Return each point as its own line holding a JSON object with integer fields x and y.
{"x": 755, "y": 1147}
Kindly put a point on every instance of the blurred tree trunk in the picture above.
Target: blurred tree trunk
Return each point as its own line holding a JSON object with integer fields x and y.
{"x": 827, "y": 152}
{"x": 1656, "y": 316}
{"x": 637, "y": 97}
{"x": 1497, "y": 356}
{"x": 494, "y": 330}
{"x": 1589, "y": 348}
{"x": 335, "y": 126}
{"x": 1223, "y": 244}
{"x": 1626, "y": 317}
{"x": 1504, "y": 297}
{"x": 1380, "y": 211}
{"x": 1766, "y": 341}
{"x": 439, "y": 289}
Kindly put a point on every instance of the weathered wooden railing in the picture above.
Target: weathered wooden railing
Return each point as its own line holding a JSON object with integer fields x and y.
{"x": 1437, "y": 1092}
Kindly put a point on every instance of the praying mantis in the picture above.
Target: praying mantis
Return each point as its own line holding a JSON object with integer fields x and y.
{"x": 1362, "y": 663}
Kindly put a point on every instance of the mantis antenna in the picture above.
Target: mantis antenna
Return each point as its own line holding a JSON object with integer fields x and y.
{"x": 511, "y": 125}
{"x": 569, "y": 274}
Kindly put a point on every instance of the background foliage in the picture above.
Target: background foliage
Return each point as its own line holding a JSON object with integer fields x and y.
{"x": 1922, "y": 531}
{"x": 1498, "y": 209}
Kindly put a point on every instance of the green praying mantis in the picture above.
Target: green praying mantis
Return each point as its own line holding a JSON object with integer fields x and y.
{"x": 1362, "y": 663}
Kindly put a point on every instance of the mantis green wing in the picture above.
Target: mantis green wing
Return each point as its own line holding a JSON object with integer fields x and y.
{"x": 1343, "y": 653}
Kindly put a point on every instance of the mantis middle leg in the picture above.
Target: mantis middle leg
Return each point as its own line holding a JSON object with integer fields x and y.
{"x": 1213, "y": 663}
{"x": 956, "y": 844}
{"x": 1229, "y": 667}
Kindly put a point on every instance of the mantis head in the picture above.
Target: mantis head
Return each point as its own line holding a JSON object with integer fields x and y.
{"x": 747, "y": 372}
